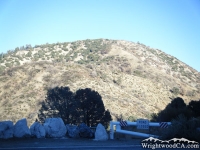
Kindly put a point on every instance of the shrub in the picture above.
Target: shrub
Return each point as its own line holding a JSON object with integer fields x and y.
{"x": 8, "y": 65}
{"x": 132, "y": 118}
{"x": 175, "y": 90}
{"x": 118, "y": 81}
{"x": 194, "y": 106}
{"x": 182, "y": 127}
{"x": 17, "y": 63}
{"x": 173, "y": 110}
{"x": 29, "y": 54}
{"x": 2, "y": 68}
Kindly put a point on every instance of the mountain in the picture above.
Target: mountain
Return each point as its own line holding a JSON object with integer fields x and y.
{"x": 134, "y": 80}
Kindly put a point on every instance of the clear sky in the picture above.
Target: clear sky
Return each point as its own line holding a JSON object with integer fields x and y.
{"x": 172, "y": 26}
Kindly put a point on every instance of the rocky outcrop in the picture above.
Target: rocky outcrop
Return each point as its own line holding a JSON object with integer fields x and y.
{"x": 21, "y": 129}
{"x": 6, "y": 129}
{"x": 55, "y": 127}
{"x": 85, "y": 131}
{"x": 72, "y": 131}
{"x": 100, "y": 133}
{"x": 37, "y": 130}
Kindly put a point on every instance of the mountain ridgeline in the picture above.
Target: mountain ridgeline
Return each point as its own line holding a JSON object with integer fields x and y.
{"x": 133, "y": 80}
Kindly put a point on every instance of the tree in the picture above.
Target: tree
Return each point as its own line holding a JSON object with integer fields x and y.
{"x": 74, "y": 108}
{"x": 16, "y": 49}
{"x": 1, "y": 56}
{"x": 91, "y": 108}
{"x": 28, "y": 46}
{"x": 21, "y": 47}
{"x": 177, "y": 103}
{"x": 194, "y": 106}
{"x": 58, "y": 103}
{"x": 173, "y": 110}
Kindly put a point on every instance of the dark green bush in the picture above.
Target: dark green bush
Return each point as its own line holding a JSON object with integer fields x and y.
{"x": 175, "y": 90}
{"x": 194, "y": 106}
{"x": 2, "y": 68}
{"x": 173, "y": 110}
{"x": 182, "y": 127}
{"x": 8, "y": 64}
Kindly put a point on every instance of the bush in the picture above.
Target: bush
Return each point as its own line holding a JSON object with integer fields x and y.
{"x": 175, "y": 90}
{"x": 173, "y": 110}
{"x": 182, "y": 127}
{"x": 132, "y": 118}
{"x": 29, "y": 54}
{"x": 194, "y": 106}
{"x": 17, "y": 62}
{"x": 2, "y": 68}
{"x": 8, "y": 65}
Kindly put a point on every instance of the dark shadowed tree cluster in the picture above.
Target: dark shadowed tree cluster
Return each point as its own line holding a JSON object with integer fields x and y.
{"x": 185, "y": 119}
{"x": 195, "y": 107}
{"x": 178, "y": 107}
{"x": 83, "y": 106}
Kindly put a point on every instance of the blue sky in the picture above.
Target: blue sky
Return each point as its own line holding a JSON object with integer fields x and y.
{"x": 172, "y": 26}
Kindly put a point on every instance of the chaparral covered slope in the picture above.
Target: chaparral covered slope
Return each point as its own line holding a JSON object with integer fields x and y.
{"x": 133, "y": 79}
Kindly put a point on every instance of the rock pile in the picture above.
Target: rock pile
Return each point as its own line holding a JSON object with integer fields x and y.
{"x": 6, "y": 129}
{"x": 85, "y": 131}
{"x": 72, "y": 131}
{"x": 53, "y": 128}
{"x": 37, "y": 130}
{"x": 21, "y": 129}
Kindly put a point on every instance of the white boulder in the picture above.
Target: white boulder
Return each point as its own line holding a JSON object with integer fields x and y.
{"x": 37, "y": 130}
{"x": 72, "y": 131}
{"x": 100, "y": 133}
{"x": 21, "y": 129}
{"x": 55, "y": 127}
{"x": 6, "y": 129}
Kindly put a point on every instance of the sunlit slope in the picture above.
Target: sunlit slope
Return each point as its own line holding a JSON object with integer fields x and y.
{"x": 133, "y": 79}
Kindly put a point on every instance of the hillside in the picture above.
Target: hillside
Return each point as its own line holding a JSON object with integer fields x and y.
{"x": 133, "y": 79}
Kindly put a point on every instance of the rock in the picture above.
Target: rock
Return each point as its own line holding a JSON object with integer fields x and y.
{"x": 21, "y": 129}
{"x": 100, "y": 133}
{"x": 85, "y": 131}
{"x": 6, "y": 129}
{"x": 55, "y": 127}
{"x": 72, "y": 131}
{"x": 37, "y": 130}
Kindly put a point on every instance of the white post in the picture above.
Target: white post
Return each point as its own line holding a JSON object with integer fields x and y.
{"x": 111, "y": 131}
{"x": 118, "y": 127}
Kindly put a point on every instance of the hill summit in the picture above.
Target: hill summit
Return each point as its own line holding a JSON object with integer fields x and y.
{"x": 133, "y": 80}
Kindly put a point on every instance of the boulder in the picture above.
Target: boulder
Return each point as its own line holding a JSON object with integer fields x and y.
{"x": 37, "y": 130}
{"x": 55, "y": 127}
{"x": 100, "y": 133}
{"x": 72, "y": 131}
{"x": 85, "y": 131}
{"x": 21, "y": 129}
{"x": 6, "y": 129}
